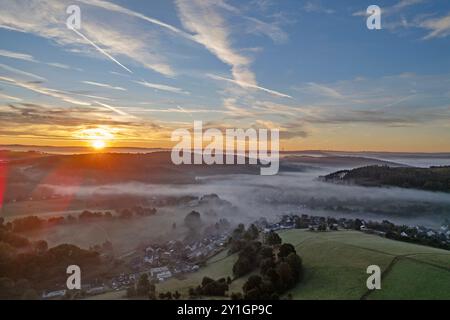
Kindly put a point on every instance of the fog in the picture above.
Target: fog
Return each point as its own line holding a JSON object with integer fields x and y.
{"x": 251, "y": 197}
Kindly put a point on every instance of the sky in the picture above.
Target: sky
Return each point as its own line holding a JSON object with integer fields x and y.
{"x": 135, "y": 71}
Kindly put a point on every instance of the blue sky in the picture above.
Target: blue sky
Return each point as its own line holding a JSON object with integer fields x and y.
{"x": 310, "y": 68}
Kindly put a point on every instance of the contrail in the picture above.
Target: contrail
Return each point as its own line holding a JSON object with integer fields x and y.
{"x": 112, "y": 108}
{"x": 100, "y": 49}
{"x": 179, "y": 107}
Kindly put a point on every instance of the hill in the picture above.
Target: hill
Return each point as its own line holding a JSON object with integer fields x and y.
{"x": 335, "y": 266}
{"x": 431, "y": 179}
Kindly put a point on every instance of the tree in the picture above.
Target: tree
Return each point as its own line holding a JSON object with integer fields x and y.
{"x": 143, "y": 285}
{"x": 253, "y": 282}
{"x": 242, "y": 266}
{"x": 252, "y": 233}
{"x": 7, "y": 288}
{"x": 192, "y": 220}
{"x": 30, "y": 294}
{"x": 266, "y": 264}
{"x": 236, "y": 296}
{"x": 285, "y": 250}
{"x": 272, "y": 238}
{"x": 287, "y": 276}
{"x": 41, "y": 246}
{"x": 296, "y": 264}
{"x": 210, "y": 287}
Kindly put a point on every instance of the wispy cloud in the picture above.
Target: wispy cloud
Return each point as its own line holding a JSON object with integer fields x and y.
{"x": 214, "y": 34}
{"x": 45, "y": 19}
{"x": 30, "y": 58}
{"x": 8, "y": 97}
{"x": 317, "y": 7}
{"x": 21, "y": 72}
{"x": 36, "y": 87}
{"x": 439, "y": 27}
{"x": 393, "y": 9}
{"x": 17, "y": 55}
{"x": 119, "y": 9}
{"x": 249, "y": 86}
{"x": 109, "y": 107}
{"x": 101, "y": 50}
{"x": 161, "y": 87}
{"x": 103, "y": 85}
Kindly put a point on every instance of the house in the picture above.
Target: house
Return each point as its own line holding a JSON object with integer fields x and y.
{"x": 163, "y": 275}
{"x": 97, "y": 290}
{"x": 155, "y": 271}
{"x": 54, "y": 294}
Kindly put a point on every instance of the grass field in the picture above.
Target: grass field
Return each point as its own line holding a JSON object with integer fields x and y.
{"x": 335, "y": 268}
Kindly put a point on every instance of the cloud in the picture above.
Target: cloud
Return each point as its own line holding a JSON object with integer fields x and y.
{"x": 439, "y": 27}
{"x": 116, "y": 110}
{"x": 7, "y": 97}
{"x": 271, "y": 30}
{"x": 21, "y": 72}
{"x": 30, "y": 58}
{"x": 101, "y": 50}
{"x": 213, "y": 33}
{"x": 59, "y": 65}
{"x": 161, "y": 87}
{"x": 17, "y": 55}
{"x": 317, "y": 7}
{"x": 250, "y": 86}
{"x": 103, "y": 85}
{"x": 399, "y": 100}
{"x": 391, "y": 10}
{"x": 324, "y": 90}
{"x": 119, "y": 9}
{"x": 35, "y": 87}
{"x": 46, "y": 18}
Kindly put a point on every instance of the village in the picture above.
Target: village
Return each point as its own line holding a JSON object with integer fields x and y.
{"x": 175, "y": 258}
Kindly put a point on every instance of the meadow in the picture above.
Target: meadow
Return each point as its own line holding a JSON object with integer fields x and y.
{"x": 335, "y": 266}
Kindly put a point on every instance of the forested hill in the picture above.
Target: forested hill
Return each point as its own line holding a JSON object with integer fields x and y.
{"x": 432, "y": 179}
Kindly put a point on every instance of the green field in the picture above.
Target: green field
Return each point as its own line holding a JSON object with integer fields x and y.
{"x": 335, "y": 266}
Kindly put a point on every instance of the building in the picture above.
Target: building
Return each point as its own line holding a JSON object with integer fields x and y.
{"x": 54, "y": 294}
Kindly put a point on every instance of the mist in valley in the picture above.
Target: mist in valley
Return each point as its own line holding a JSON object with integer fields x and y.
{"x": 247, "y": 198}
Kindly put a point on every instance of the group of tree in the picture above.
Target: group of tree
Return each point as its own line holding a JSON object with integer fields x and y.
{"x": 143, "y": 288}
{"x": 240, "y": 237}
{"x": 280, "y": 267}
{"x": 433, "y": 178}
{"x": 211, "y": 287}
{"x": 31, "y": 223}
{"x": 14, "y": 290}
{"x": 276, "y": 275}
{"x": 397, "y": 232}
{"x": 146, "y": 289}
{"x": 33, "y": 261}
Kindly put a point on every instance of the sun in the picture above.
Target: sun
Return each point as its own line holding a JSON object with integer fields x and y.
{"x": 98, "y": 144}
